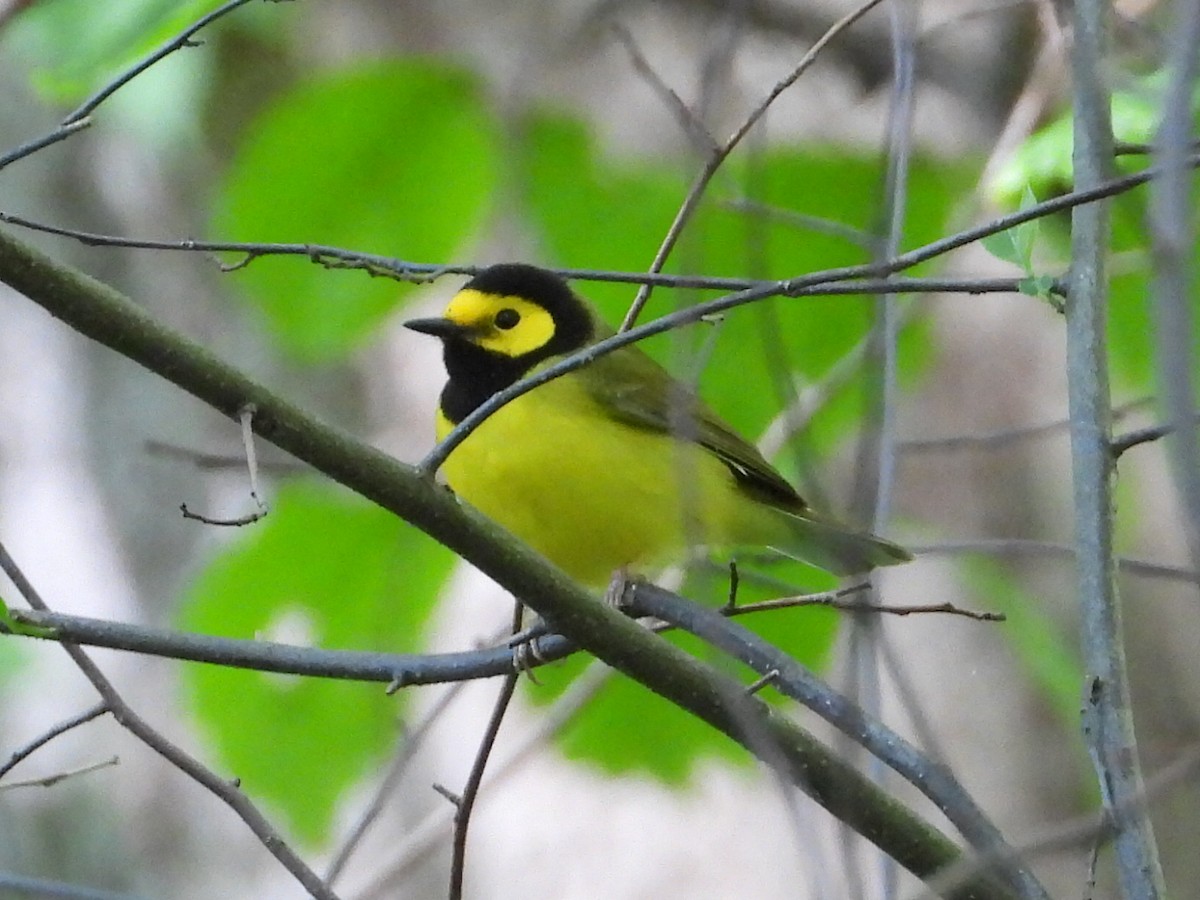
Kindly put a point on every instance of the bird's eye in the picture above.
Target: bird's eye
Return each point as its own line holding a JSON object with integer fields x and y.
{"x": 507, "y": 318}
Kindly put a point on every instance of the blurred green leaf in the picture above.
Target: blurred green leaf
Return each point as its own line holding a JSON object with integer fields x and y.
{"x": 1043, "y": 161}
{"x": 395, "y": 158}
{"x": 78, "y": 45}
{"x": 344, "y": 574}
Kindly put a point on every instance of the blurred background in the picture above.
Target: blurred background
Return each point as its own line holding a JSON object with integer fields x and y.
{"x": 467, "y": 133}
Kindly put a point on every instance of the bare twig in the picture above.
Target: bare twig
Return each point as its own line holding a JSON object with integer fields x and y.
{"x": 29, "y": 886}
{"x": 691, "y": 200}
{"x": 420, "y": 840}
{"x": 218, "y": 461}
{"x": 1033, "y": 547}
{"x": 189, "y": 765}
{"x": 836, "y": 600}
{"x": 688, "y": 121}
{"x": 1172, "y": 244}
{"x": 411, "y": 741}
{"x": 81, "y": 117}
{"x": 61, "y": 728}
{"x": 1004, "y": 437}
{"x": 59, "y": 777}
{"x": 246, "y": 418}
{"x": 466, "y": 803}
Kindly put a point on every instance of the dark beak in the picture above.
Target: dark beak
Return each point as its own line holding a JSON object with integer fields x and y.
{"x": 439, "y": 328}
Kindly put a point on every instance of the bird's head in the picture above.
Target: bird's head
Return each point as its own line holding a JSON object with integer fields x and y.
{"x": 512, "y": 312}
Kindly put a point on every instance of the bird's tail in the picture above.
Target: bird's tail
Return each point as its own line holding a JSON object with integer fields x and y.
{"x": 837, "y": 548}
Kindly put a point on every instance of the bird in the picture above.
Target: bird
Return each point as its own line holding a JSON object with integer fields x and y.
{"x": 616, "y": 466}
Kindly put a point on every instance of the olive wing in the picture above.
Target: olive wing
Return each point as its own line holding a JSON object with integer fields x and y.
{"x": 636, "y": 390}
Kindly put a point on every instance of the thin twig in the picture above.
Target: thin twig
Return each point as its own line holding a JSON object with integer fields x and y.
{"x": 218, "y": 461}
{"x": 1004, "y": 437}
{"x": 25, "y": 886}
{"x": 832, "y": 227}
{"x": 691, "y": 200}
{"x": 411, "y": 742}
{"x": 833, "y": 600}
{"x": 81, "y": 117}
{"x": 59, "y": 777}
{"x": 226, "y": 791}
{"x": 1058, "y": 549}
{"x": 420, "y": 840}
{"x": 466, "y": 803}
{"x": 250, "y": 458}
{"x": 61, "y": 728}
{"x": 687, "y": 120}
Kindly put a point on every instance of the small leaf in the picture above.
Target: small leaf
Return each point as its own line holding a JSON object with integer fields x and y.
{"x": 13, "y": 625}
{"x": 1005, "y": 246}
{"x": 1016, "y": 244}
{"x": 1042, "y": 287}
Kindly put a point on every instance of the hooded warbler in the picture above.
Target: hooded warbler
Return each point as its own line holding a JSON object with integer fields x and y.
{"x": 616, "y": 464}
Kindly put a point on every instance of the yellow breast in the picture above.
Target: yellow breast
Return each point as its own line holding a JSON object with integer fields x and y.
{"x": 592, "y": 494}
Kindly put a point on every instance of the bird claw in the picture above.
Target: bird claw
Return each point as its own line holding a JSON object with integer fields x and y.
{"x": 615, "y": 595}
{"x": 526, "y": 654}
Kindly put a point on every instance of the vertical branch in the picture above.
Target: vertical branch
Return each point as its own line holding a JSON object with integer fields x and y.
{"x": 877, "y": 452}
{"x": 1108, "y": 719}
{"x": 1172, "y": 240}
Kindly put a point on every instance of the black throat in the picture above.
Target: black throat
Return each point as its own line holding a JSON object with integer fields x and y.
{"x": 475, "y": 375}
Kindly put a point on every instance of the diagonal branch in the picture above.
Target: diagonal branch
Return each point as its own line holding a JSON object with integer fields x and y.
{"x": 101, "y": 313}
{"x": 227, "y": 791}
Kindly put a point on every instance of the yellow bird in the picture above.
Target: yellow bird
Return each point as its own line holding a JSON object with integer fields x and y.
{"x": 615, "y": 465}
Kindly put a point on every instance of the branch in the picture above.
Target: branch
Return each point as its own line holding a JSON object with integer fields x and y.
{"x": 225, "y": 790}
{"x": 61, "y": 728}
{"x": 103, "y": 314}
{"x": 464, "y": 805}
{"x": 934, "y": 780}
{"x": 1107, "y": 713}
{"x": 81, "y": 117}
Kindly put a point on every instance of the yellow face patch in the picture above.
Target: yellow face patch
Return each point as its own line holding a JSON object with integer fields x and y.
{"x": 508, "y": 325}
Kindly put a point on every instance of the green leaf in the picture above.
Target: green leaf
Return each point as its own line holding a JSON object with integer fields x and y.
{"x": 13, "y": 625}
{"x": 395, "y": 158}
{"x": 346, "y": 574}
{"x": 78, "y": 45}
{"x": 1015, "y": 245}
